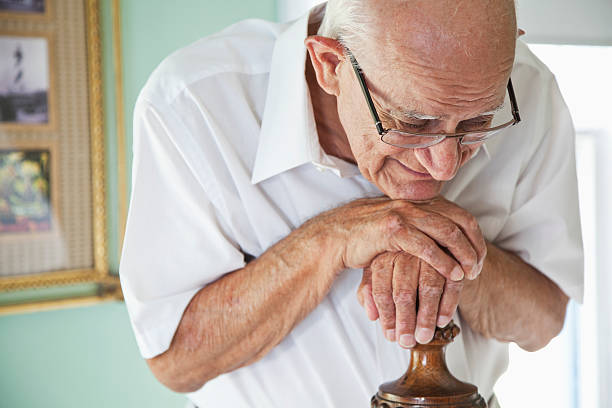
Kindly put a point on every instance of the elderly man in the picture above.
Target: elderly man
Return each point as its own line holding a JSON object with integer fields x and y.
{"x": 279, "y": 169}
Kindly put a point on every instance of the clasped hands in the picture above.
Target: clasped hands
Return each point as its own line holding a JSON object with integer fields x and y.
{"x": 415, "y": 258}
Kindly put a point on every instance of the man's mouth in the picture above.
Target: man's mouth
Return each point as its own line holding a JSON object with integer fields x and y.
{"x": 423, "y": 176}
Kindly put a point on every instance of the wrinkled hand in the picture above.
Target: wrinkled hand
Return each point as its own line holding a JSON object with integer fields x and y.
{"x": 438, "y": 232}
{"x": 408, "y": 296}
{"x": 415, "y": 256}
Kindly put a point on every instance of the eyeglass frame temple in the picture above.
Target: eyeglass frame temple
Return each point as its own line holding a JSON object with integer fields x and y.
{"x": 366, "y": 92}
{"x": 379, "y": 127}
{"x": 515, "y": 111}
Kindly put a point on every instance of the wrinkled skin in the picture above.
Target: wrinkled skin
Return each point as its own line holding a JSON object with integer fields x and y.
{"x": 449, "y": 60}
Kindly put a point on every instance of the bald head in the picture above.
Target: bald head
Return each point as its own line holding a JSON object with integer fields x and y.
{"x": 448, "y": 34}
{"x": 437, "y": 32}
{"x": 452, "y": 52}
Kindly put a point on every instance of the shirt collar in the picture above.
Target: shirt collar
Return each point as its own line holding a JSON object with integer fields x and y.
{"x": 288, "y": 136}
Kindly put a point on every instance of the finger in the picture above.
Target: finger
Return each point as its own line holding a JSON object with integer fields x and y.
{"x": 411, "y": 240}
{"x": 382, "y": 275}
{"x": 431, "y": 285}
{"x": 405, "y": 292}
{"x": 451, "y": 236}
{"x": 467, "y": 222}
{"x": 364, "y": 294}
{"x": 449, "y": 302}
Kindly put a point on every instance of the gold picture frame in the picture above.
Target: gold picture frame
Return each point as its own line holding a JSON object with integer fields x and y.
{"x": 61, "y": 136}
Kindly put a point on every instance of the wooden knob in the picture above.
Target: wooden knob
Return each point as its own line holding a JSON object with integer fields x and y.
{"x": 427, "y": 383}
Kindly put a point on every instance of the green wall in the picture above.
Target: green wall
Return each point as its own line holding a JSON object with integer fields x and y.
{"x": 152, "y": 32}
{"x": 87, "y": 357}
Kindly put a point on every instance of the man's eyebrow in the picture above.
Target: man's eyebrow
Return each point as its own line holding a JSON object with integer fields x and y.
{"x": 494, "y": 110}
{"x": 412, "y": 114}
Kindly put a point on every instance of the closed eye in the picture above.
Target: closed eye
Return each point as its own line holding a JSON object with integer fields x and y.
{"x": 477, "y": 123}
{"x": 412, "y": 125}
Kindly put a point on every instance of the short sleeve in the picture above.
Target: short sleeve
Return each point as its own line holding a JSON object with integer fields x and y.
{"x": 543, "y": 227}
{"x": 174, "y": 243}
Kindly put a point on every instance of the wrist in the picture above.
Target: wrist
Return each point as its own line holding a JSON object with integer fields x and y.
{"x": 476, "y": 296}
{"x": 326, "y": 243}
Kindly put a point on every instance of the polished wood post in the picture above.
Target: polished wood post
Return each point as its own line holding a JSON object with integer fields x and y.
{"x": 427, "y": 383}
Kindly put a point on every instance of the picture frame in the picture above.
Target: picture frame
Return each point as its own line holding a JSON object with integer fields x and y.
{"x": 56, "y": 258}
{"x": 34, "y": 10}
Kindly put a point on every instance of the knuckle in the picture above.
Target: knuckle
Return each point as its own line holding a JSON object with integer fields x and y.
{"x": 418, "y": 212}
{"x": 472, "y": 223}
{"x": 453, "y": 232}
{"x": 427, "y": 249}
{"x": 380, "y": 292}
{"x": 392, "y": 221}
{"x": 404, "y": 297}
{"x": 430, "y": 292}
{"x": 381, "y": 264}
{"x": 377, "y": 266}
{"x": 383, "y": 300}
{"x": 431, "y": 278}
{"x": 454, "y": 287}
{"x": 400, "y": 204}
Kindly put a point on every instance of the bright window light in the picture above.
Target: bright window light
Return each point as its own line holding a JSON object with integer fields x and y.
{"x": 569, "y": 368}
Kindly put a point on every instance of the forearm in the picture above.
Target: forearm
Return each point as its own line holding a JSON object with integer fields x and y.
{"x": 239, "y": 318}
{"x": 512, "y": 301}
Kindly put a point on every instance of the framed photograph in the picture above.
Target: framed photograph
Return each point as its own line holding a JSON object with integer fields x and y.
{"x": 28, "y": 191}
{"x": 53, "y": 242}
{"x": 25, "y": 80}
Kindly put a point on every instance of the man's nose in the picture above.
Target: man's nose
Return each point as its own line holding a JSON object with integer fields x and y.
{"x": 441, "y": 160}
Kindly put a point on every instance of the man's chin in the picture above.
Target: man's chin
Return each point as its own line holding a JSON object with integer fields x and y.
{"x": 421, "y": 190}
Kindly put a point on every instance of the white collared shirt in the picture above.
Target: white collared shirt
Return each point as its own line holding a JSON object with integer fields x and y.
{"x": 227, "y": 161}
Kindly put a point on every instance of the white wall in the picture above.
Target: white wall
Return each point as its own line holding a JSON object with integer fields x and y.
{"x": 566, "y": 21}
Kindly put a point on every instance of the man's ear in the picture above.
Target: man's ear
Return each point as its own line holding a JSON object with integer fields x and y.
{"x": 325, "y": 55}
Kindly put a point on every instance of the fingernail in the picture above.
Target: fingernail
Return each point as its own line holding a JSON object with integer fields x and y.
{"x": 407, "y": 340}
{"x": 370, "y": 309}
{"x": 390, "y": 334}
{"x": 457, "y": 274}
{"x": 423, "y": 335}
{"x": 474, "y": 272}
{"x": 443, "y": 321}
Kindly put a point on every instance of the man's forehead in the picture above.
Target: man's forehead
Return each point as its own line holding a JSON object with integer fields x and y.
{"x": 425, "y": 97}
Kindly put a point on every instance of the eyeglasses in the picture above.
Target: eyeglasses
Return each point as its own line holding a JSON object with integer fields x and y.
{"x": 412, "y": 140}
